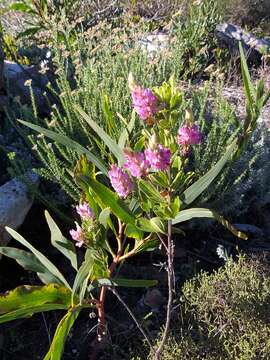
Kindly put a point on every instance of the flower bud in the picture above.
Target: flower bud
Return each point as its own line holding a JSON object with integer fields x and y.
{"x": 188, "y": 117}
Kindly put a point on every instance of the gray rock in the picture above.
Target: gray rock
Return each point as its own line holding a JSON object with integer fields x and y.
{"x": 19, "y": 78}
{"x": 14, "y": 204}
{"x": 230, "y": 35}
{"x": 154, "y": 44}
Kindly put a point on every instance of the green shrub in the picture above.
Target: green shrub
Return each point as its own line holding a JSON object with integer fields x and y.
{"x": 101, "y": 60}
{"x": 225, "y": 315}
{"x": 243, "y": 185}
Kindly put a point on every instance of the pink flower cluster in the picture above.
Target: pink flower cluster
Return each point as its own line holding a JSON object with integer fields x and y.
{"x": 144, "y": 102}
{"x": 85, "y": 212}
{"x": 120, "y": 181}
{"x": 189, "y": 135}
{"x": 77, "y": 235}
{"x": 159, "y": 157}
{"x": 138, "y": 164}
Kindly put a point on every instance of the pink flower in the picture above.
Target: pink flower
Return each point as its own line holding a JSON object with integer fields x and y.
{"x": 120, "y": 181}
{"x": 189, "y": 135}
{"x": 144, "y": 102}
{"x": 159, "y": 157}
{"x": 85, "y": 211}
{"x": 77, "y": 235}
{"x": 136, "y": 163}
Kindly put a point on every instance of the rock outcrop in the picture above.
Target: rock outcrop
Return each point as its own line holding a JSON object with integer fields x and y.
{"x": 230, "y": 35}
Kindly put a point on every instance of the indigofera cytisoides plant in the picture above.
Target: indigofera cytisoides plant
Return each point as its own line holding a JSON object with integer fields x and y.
{"x": 130, "y": 203}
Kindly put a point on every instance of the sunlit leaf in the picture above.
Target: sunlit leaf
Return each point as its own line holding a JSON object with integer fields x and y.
{"x": 112, "y": 145}
{"x": 65, "y": 246}
{"x": 45, "y": 262}
{"x": 155, "y": 225}
{"x": 109, "y": 199}
{"x": 196, "y": 189}
{"x": 25, "y": 301}
{"x": 66, "y": 141}
{"x": 126, "y": 282}
{"x": 57, "y": 347}
{"x": 193, "y": 213}
{"x": 30, "y": 263}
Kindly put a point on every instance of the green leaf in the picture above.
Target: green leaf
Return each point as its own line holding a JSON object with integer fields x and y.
{"x": 30, "y": 263}
{"x": 123, "y": 139}
{"x": 109, "y": 199}
{"x": 26, "y": 313}
{"x": 189, "y": 214}
{"x": 149, "y": 245}
{"x": 248, "y": 86}
{"x": 44, "y": 261}
{"x": 140, "y": 143}
{"x": 195, "y": 190}
{"x": 66, "y": 141}
{"x": 155, "y": 225}
{"x": 125, "y": 133}
{"x": 82, "y": 277}
{"x": 57, "y": 347}
{"x": 31, "y": 31}
{"x": 25, "y": 300}
{"x": 65, "y": 246}
{"x": 126, "y": 282}
{"x": 132, "y": 231}
{"x": 104, "y": 217}
{"x": 112, "y": 145}
{"x": 21, "y": 6}
{"x": 111, "y": 125}
{"x": 151, "y": 192}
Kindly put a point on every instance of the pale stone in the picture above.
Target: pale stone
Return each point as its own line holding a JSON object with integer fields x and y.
{"x": 14, "y": 205}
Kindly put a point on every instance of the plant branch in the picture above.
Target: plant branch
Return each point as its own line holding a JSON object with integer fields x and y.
{"x": 170, "y": 272}
{"x": 132, "y": 316}
{"x": 101, "y": 330}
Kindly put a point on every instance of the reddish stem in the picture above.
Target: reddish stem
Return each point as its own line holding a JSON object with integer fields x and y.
{"x": 101, "y": 330}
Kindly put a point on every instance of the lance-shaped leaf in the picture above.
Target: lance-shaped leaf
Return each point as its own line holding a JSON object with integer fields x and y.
{"x": 112, "y": 145}
{"x": 248, "y": 86}
{"x": 155, "y": 225}
{"x": 57, "y": 347}
{"x": 189, "y": 214}
{"x": 125, "y": 133}
{"x": 134, "y": 232}
{"x": 151, "y": 192}
{"x": 196, "y": 189}
{"x": 69, "y": 143}
{"x": 24, "y": 301}
{"x": 126, "y": 282}
{"x": 65, "y": 246}
{"x": 30, "y": 263}
{"x": 82, "y": 277}
{"x": 108, "y": 198}
{"x": 44, "y": 261}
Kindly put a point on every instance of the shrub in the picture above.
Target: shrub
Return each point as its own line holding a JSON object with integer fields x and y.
{"x": 243, "y": 186}
{"x": 101, "y": 60}
{"x": 225, "y": 314}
